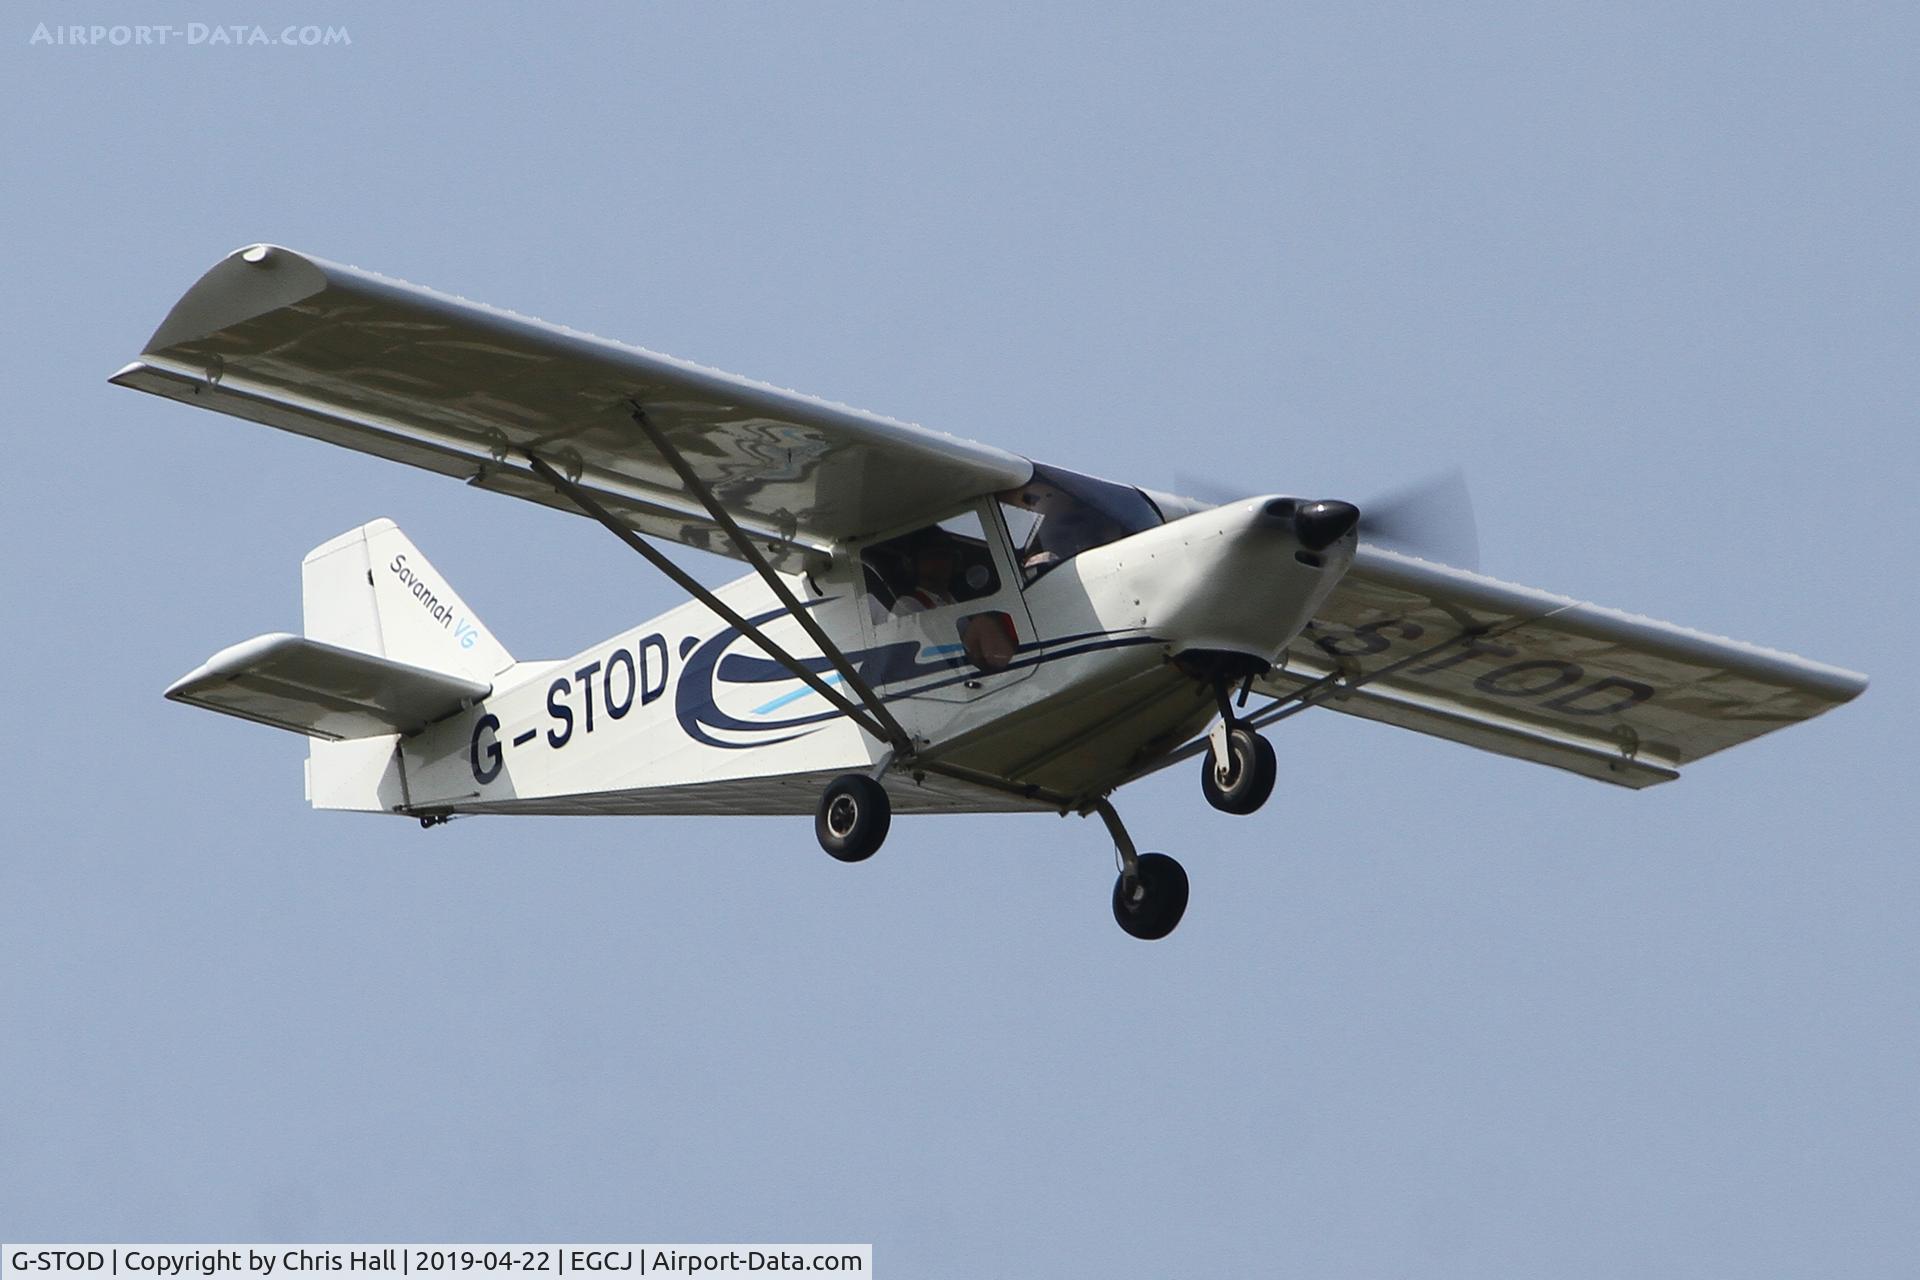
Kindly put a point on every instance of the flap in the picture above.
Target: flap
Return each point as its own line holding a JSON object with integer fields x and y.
{"x": 322, "y": 690}
{"x": 452, "y": 386}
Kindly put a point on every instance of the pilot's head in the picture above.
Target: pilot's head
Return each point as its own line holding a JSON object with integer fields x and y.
{"x": 934, "y": 557}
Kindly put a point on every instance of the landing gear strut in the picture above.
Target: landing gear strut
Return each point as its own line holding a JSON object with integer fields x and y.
{"x": 1238, "y": 770}
{"x": 1150, "y": 894}
{"x": 853, "y": 817}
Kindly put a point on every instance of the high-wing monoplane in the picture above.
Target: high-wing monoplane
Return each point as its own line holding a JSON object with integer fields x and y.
{"x": 929, "y": 625}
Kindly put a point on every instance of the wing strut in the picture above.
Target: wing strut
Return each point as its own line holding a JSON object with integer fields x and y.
{"x": 751, "y": 554}
{"x": 878, "y": 727}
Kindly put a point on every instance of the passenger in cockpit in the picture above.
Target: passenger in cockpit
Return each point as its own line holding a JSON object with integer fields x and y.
{"x": 1071, "y": 528}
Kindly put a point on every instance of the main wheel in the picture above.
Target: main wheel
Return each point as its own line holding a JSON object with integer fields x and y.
{"x": 853, "y": 817}
{"x": 1151, "y": 905}
{"x": 1247, "y": 780}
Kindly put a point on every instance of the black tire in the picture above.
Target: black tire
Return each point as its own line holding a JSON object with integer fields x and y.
{"x": 853, "y": 817}
{"x": 1152, "y": 906}
{"x": 1250, "y": 774}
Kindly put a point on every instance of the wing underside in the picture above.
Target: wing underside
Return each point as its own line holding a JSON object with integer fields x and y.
{"x": 465, "y": 390}
{"x": 1541, "y": 677}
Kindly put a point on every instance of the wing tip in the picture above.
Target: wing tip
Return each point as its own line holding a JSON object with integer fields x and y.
{"x": 235, "y": 657}
{"x": 251, "y": 281}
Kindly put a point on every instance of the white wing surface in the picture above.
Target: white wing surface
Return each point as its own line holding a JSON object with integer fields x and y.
{"x": 466, "y": 390}
{"x": 1541, "y": 677}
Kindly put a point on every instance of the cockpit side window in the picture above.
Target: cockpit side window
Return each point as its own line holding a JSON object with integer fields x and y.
{"x": 930, "y": 568}
{"x": 1058, "y": 514}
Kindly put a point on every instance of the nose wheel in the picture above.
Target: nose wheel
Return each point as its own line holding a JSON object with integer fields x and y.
{"x": 1237, "y": 773}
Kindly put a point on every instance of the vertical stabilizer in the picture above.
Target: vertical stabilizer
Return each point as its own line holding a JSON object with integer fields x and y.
{"x": 370, "y": 589}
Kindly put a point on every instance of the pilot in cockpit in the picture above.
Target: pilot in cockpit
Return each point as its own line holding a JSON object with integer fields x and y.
{"x": 911, "y": 574}
{"x": 932, "y": 557}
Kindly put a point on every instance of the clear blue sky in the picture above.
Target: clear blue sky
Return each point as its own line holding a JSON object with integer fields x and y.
{"x": 1648, "y": 272}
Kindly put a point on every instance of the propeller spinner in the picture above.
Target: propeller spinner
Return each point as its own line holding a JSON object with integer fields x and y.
{"x": 1430, "y": 518}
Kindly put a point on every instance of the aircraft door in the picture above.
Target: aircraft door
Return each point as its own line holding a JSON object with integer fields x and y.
{"x": 942, "y": 610}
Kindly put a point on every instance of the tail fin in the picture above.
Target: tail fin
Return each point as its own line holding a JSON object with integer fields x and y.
{"x": 370, "y": 589}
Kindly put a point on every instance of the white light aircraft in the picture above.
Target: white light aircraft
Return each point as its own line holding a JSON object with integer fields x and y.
{"x": 930, "y": 626}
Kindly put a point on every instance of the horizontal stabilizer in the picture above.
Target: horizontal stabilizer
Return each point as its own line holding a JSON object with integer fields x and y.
{"x": 322, "y": 690}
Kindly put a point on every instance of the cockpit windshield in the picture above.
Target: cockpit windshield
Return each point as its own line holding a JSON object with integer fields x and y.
{"x": 1058, "y": 514}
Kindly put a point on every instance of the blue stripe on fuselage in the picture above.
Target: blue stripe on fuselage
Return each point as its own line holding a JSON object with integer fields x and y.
{"x": 801, "y": 692}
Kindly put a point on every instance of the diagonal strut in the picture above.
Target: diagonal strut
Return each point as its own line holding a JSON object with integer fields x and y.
{"x": 587, "y": 503}
{"x": 744, "y": 544}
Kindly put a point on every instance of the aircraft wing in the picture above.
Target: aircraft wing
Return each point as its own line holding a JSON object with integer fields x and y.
{"x": 322, "y": 690}
{"x": 466, "y": 390}
{"x": 1542, "y": 677}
